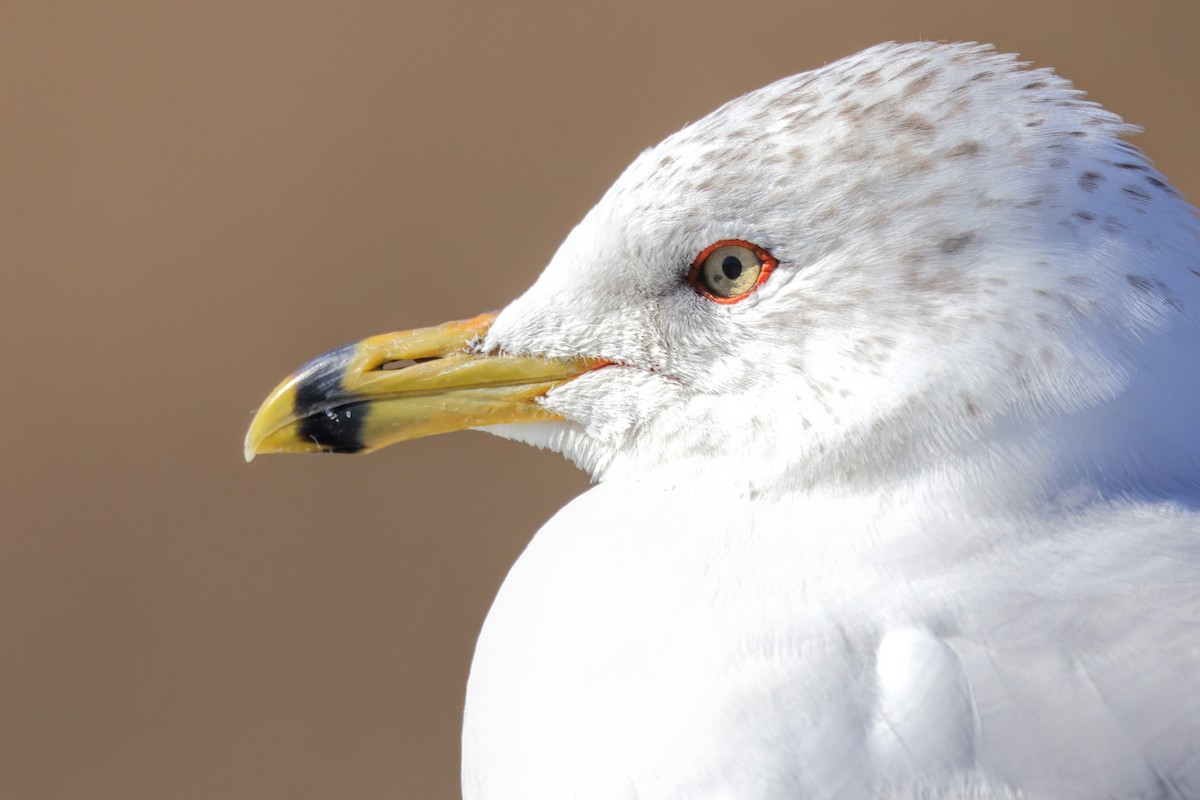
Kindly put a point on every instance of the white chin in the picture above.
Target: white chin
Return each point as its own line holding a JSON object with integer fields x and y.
{"x": 565, "y": 438}
{"x": 544, "y": 435}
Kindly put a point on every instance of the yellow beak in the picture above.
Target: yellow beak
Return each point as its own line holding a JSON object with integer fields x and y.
{"x": 405, "y": 385}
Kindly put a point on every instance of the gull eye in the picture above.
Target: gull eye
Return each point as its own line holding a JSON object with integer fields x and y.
{"x": 729, "y": 270}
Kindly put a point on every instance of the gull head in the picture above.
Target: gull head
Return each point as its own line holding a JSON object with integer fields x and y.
{"x": 920, "y": 256}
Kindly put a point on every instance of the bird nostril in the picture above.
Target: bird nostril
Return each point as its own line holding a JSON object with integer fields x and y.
{"x": 402, "y": 363}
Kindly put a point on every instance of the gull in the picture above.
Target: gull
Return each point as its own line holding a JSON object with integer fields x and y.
{"x": 888, "y": 379}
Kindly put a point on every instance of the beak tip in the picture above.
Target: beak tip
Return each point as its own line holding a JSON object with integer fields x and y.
{"x": 250, "y": 445}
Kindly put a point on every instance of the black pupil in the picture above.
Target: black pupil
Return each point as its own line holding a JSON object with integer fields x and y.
{"x": 732, "y": 267}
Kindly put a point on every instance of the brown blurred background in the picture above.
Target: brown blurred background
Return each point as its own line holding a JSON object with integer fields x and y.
{"x": 195, "y": 198}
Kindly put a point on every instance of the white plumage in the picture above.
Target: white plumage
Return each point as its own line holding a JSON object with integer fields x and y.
{"x": 917, "y": 519}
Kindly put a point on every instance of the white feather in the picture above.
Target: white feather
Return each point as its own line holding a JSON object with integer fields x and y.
{"x": 917, "y": 519}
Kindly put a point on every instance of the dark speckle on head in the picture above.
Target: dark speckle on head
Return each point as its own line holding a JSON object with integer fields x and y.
{"x": 1139, "y": 282}
{"x": 917, "y": 124}
{"x": 1155, "y": 287}
{"x": 955, "y": 244}
{"x": 972, "y": 408}
{"x": 1160, "y": 184}
{"x": 1136, "y": 193}
{"x": 970, "y": 147}
{"x": 912, "y": 67}
{"x": 918, "y": 85}
{"x": 1090, "y": 181}
{"x": 871, "y": 78}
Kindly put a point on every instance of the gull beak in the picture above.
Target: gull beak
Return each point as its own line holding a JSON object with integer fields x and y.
{"x": 405, "y": 385}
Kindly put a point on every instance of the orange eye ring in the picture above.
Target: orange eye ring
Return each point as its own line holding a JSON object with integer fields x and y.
{"x": 711, "y": 275}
